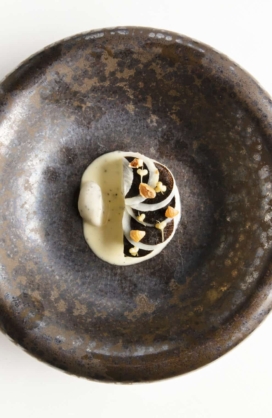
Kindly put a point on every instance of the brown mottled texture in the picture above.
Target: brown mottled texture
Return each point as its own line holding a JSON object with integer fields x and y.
{"x": 192, "y": 109}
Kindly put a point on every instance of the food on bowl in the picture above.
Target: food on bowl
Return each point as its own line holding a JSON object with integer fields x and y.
{"x": 130, "y": 207}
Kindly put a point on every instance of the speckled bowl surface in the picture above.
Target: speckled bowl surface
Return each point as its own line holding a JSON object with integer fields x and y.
{"x": 183, "y": 104}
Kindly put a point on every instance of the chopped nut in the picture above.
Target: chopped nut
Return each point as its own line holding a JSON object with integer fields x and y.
{"x": 160, "y": 188}
{"x": 133, "y": 251}
{"x": 160, "y": 225}
{"x": 171, "y": 212}
{"x": 147, "y": 191}
{"x": 141, "y": 217}
{"x": 136, "y": 235}
{"x": 141, "y": 172}
{"x": 136, "y": 163}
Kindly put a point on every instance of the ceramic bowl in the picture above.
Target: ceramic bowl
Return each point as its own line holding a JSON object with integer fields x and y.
{"x": 177, "y": 101}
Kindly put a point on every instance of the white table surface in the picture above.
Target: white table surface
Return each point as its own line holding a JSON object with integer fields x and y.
{"x": 238, "y": 384}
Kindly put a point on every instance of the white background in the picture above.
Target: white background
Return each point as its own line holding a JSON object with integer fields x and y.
{"x": 238, "y": 384}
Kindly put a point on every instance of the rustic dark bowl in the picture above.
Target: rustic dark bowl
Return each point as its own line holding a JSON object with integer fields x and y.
{"x": 177, "y": 101}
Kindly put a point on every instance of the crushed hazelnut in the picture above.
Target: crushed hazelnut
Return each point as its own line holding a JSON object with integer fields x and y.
{"x": 171, "y": 212}
{"x": 141, "y": 217}
{"x": 136, "y": 235}
{"x": 136, "y": 163}
{"x": 133, "y": 251}
{"x": 147, "y": 191}
{"x": 160, "y": 188}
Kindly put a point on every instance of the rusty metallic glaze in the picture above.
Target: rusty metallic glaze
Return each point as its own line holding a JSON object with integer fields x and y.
{"x": 181, "y": 103}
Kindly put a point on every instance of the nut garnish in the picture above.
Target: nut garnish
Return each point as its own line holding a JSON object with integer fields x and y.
{"x": 136, "y": 163}
{"x": 147, "y": 191}
{"x": 141, "y": 217}
{"x": 171, "y": 212}
{"x": 133, "y": 251}
{"x": 160, "y": 188}
{"x": 136, "y": 235}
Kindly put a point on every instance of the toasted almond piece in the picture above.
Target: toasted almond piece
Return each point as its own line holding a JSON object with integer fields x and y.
{"x": 147, "y": 191}
{"x": 136, "y": 163}
{"x": 171, "y": 212}
{"x": 133, "y": 251}
{"x": 136, "y": 235}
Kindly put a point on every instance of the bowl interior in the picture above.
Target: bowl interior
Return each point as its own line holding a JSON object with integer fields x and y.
{"x": 182, "y": 104}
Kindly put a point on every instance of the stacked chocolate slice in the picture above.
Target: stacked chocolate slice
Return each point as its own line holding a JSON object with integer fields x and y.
{"x": 152, "y": 206}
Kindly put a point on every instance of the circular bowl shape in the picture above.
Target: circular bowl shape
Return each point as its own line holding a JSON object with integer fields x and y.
{"x": 178, "y": 102}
